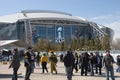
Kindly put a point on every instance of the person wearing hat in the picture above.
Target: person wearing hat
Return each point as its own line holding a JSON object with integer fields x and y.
{"x": 44, "y": 60}
{"x": 108, "y": 63}
{"x": 53, "y": 62}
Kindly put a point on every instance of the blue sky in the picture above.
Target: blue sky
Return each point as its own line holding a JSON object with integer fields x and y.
{"x": 105, "y": 12}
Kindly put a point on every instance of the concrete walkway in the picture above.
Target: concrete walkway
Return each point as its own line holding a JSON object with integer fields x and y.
{"x": 6, "y": 74}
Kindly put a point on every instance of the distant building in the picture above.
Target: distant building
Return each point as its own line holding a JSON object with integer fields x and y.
{"x": 109, "y": 32}
{"x": 32, "y": 25}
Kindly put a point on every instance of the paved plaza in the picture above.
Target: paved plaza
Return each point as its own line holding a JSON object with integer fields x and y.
{"x": 6, "y": 74}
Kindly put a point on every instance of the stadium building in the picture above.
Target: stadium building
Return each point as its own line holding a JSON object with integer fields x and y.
{"x": 32, "y": 25}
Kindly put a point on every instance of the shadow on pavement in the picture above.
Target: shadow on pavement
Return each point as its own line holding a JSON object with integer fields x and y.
{"x": 117, "y": 76}
{"x": 9, "y": 76}
{"x": 104, "y": 75}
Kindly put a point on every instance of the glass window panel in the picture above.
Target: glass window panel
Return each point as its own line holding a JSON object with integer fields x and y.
{"x": 20, "y": 30}
{"x": 8, "y": 31}
{"x": 51, "y": 32}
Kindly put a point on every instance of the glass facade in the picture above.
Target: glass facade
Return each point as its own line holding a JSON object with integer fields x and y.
{"x": 59, "y": 33}
{"x": 56, "y": 31}
{"x": 20, "y": 30}
{"x": 8, "y": 32}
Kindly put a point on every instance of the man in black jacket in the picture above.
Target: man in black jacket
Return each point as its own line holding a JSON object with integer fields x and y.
{"x": 108, "y": 61}
{"x": 84, "y": 63}
{"x": 15, "y": 64}
{"x": 98, "y": 63}
{"x": 68, "y": 62}
{"x": 27, "y": 62}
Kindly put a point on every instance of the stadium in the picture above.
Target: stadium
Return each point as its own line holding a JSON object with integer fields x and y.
{"x": 55, "y": 26}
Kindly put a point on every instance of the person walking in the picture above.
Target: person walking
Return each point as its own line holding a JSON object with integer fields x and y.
{"x": 33, "y": 57}
{"x": 44, "y": 60}
{"x": 38, "y": 57}
{"x": 15, "y": 64}
{"x": 27, "y": 63}
{"x": 76, "y": 62}
{"x": 92, "y": 63}
{"x": 53, "y": 62}
{"x": 68, "y": 60}
{"x": 98, "y": 64}
{"x": 84, "y": 63}
{"x": 108, "y": 62}
{"x": 118, "y": 63}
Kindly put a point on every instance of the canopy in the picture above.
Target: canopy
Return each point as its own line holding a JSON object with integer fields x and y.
{"x": 5, "y": 42}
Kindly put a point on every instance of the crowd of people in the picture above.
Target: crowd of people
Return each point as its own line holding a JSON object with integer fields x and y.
{"x": 29, "y": 62}
{"x": 91, "y": 62}
{"x": 87, "y": 62}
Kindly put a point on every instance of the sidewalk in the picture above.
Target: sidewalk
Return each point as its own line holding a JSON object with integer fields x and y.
{"x": 6, "y": 74}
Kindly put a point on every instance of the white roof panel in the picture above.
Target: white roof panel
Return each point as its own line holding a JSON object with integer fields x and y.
{"x": 11, "y": 18}
{"x": 39, "y": 15}
{"x": 5, "y": 42}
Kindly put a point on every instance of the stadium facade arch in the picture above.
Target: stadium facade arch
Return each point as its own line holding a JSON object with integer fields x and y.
{"x": 32, "y": 25}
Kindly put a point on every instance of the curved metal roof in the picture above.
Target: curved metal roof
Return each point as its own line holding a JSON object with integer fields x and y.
{"x": 45, "y": 11}
{"x": 40, "y": 14}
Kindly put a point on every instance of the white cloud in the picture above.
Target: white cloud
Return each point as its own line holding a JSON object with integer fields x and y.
{"x": 111, "y": 21}
{"x": 106, "y": 18}
{"x": 102, "y": 17}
